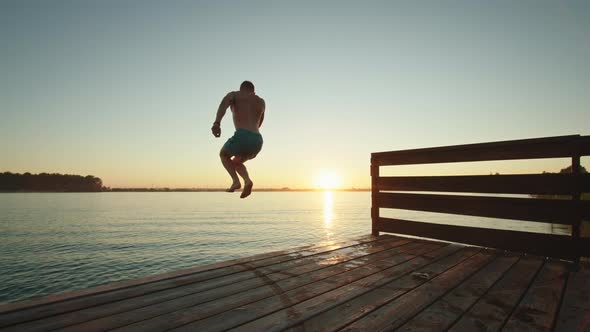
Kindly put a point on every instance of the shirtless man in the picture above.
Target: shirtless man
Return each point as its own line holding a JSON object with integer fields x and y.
{"x": 248, "y": 114}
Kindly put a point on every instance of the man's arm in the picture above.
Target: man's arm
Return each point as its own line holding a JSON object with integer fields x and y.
{"x": 225, "y": 103}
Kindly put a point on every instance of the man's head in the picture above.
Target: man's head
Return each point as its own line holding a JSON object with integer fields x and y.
{"x": 247, "y": 86}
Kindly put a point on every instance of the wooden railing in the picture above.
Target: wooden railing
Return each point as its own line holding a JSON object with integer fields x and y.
{"x": 388, "y": 192}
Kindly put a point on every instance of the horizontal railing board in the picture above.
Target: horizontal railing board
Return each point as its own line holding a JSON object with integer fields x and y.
{"x": 541, "y": 210}
{"x": 535, "y": 243}
{"x": 527, "y": 141}
{"x": 548, "y": 184}
{"x": 584, "y": 142}
{"x": 538, "y": 148}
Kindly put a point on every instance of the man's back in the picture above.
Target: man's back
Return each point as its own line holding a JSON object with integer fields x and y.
{"x": 247, "y": 109}
{"x": 246, "y": 143}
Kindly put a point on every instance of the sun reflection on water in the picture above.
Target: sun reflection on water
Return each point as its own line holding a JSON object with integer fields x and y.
{"x": 328, "y": 214}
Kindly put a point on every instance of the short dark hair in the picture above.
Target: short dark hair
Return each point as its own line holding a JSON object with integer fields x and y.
{"x": 247, "y": 85}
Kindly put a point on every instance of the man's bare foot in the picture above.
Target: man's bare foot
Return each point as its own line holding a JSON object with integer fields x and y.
{"x": 247, "y": 189}
{"x": 234, "y": 186}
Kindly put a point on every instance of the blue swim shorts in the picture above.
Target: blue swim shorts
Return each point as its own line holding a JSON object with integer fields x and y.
{"x": 244, "y": 143}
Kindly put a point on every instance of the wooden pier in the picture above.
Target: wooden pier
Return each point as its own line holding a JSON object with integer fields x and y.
{"x": 368, "y": 284}
{"x": 379, "y": 281}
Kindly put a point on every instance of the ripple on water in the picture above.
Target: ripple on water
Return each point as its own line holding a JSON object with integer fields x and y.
{"x": 53, "y": 243}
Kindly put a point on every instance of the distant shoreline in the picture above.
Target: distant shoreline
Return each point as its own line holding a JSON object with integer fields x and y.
{"x": 223, "y": 189}
{"x": 192, "y": 190}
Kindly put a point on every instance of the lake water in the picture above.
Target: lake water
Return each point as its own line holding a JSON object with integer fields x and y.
{"x": 55, "y": 242}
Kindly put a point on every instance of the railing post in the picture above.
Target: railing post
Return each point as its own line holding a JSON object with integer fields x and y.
{"x": 576, "y": 195}
{"x": 374, "y": 194}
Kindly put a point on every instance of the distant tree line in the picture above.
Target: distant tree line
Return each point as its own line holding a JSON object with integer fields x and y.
{"x": 49, "y": 182}
{"x": 585, "y": 196}
{"x": 569, "y": 170}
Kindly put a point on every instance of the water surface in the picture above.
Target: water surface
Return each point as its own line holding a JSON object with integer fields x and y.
{"x": 55, "y": 242}
{"x": 52, "y": 242}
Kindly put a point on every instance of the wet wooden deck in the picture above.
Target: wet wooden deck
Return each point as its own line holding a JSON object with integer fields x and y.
{"x": 367, "y": 284}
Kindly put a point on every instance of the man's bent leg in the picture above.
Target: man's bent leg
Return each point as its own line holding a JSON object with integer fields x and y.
{"x": 230, "y": 168}
{"x": 241, "y": 169}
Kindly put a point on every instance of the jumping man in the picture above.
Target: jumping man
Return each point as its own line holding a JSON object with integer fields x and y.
{"x": 248, "y": 114}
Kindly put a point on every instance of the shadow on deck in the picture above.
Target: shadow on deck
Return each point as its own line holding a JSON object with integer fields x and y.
{"x": 367, "y": 284}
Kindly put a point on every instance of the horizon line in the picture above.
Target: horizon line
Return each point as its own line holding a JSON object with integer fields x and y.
{"x": 223, "y": 189}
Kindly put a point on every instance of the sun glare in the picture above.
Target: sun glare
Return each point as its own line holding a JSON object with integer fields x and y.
{"x": 327, "y": 180}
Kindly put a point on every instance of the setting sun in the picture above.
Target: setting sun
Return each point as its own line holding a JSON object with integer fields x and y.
{"x": 327, "y": 180}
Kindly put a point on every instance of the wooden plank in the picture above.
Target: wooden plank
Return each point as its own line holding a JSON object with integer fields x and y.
{"x": 492, "y": 310}
{"x": 444, "y": 312}
{"x": 576, "y": 196}
{"x": 550, "y": 245}
{"x": 131, "y": 310}
{"x": 184, "y": 310}
{"x": 298, "y": 313}
{"x": 397, "y": 310}
{"x": 144, "y": 307}
{"x": 541, "y": 210}
{"x": 537, "y": 311}
{"x": 374, "y": 193}
{"x": 395, "y": 301}
{"x": 585, "y": 209}
{"x": 574, "y": 313}
{"x": 335, "y": 288}
{"x": 584, "y": 146}
{"x": 78, "y": 300}
{"x": 540, "y": 184}
{"x": 550, "y": 147}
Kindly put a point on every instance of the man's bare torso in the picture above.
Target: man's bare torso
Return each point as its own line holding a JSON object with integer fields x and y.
{"x": 247, "y": 109}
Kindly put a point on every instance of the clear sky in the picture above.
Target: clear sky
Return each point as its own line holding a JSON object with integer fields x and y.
{"x": 128, "y": 90}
